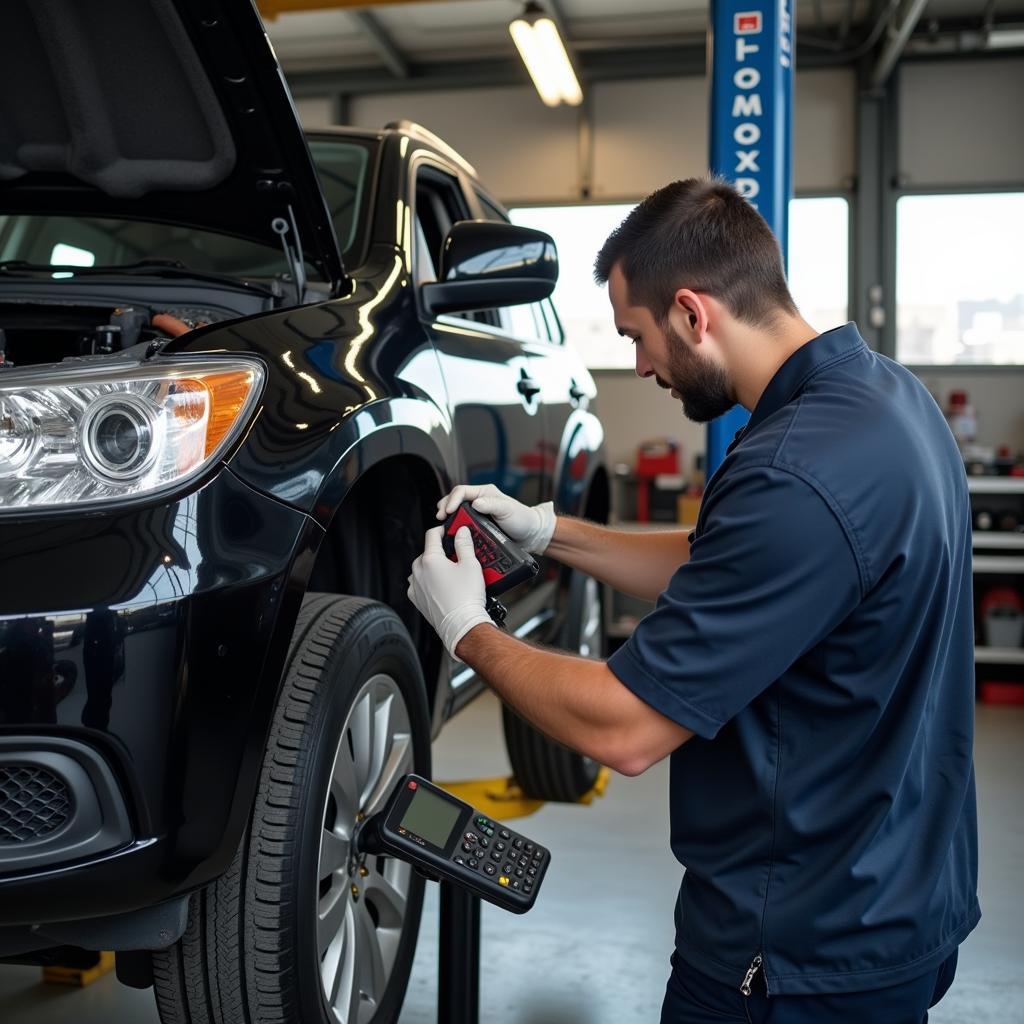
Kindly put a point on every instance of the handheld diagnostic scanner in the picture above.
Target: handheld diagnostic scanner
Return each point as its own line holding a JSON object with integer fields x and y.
{"x": 505, "y": 564}
{"x": 449, "y": 840}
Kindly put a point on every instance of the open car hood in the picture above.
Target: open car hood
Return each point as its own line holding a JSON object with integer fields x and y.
{"x": 159, "y": 110}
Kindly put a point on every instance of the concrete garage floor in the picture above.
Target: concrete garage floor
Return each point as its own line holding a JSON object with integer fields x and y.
{"x": 594, "y": 950}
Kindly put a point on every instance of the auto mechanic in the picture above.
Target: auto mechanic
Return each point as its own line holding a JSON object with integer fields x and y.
{"x": 808, "y": 667}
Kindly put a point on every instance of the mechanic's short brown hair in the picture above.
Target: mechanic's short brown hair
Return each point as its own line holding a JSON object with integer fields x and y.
{"x": 699, "y": 234}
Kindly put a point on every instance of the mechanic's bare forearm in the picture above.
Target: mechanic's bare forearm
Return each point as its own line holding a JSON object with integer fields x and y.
{"x": 636, "y": 562}
{"x": 576, "y": 701}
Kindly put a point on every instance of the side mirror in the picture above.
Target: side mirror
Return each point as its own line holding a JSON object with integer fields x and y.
{"x": 488, "y": 263}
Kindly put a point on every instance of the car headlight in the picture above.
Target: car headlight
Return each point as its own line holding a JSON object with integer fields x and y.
{"x": 104, "y": 433}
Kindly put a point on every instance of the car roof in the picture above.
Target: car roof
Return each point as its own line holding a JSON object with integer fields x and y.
{"x": 406, "y": 128}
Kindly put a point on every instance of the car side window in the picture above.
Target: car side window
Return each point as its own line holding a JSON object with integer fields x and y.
{"x": 432, "y": 224}
{"x": 527, "y": 322}
{"x": 439, "y": 203}
{"x": 555, "y": 332}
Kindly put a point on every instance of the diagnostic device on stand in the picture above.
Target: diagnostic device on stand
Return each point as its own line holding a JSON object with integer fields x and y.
{"x": 448, "y": 840}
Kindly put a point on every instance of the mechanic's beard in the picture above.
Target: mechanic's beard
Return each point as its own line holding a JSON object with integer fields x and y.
{"x": 703, "y": 386}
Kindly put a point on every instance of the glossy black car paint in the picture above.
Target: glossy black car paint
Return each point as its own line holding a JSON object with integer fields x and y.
{"x": 177, "y": 613}
{"x": 175, "y": 643}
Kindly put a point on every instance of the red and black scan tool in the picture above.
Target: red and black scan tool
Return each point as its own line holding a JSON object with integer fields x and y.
{"x": 504, "y": 562}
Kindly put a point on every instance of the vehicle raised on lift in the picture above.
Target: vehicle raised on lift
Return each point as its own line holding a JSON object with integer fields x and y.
{"x": 239, "y": 366}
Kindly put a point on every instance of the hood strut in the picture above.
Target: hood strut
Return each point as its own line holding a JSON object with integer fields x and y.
{"x": 292, "y": 251}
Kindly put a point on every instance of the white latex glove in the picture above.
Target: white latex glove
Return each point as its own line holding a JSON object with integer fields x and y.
{"x": 532, "y": 527}
{"x": 450, "y": 595}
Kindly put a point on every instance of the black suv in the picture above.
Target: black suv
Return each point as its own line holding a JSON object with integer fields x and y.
{"x": 238, "y": 368}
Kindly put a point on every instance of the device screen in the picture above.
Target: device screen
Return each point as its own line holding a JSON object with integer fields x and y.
{"x": 431, "y": 817}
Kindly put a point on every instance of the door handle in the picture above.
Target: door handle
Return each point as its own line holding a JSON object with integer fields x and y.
{"x": 528, "y": 387}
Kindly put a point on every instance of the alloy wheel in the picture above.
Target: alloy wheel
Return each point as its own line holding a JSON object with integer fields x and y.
{"x": 362, "y": 900}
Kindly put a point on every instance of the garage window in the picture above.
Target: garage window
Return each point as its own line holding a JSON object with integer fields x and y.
{"x": 819, "y": 270}
{"x": 959, "y": 287}
{"x": 819, "y": 260}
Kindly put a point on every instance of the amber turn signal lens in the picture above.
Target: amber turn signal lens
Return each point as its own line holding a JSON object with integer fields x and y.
{"x": 228, "y": 395}
{"x": 223, "y": 397}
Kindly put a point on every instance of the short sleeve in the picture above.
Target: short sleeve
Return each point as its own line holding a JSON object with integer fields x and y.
{"x": 770, "y": 575}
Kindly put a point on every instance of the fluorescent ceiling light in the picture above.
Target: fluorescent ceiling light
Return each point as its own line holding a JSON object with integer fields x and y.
{"x": 539, "y": 44}
{"x": 1005, "y": 38}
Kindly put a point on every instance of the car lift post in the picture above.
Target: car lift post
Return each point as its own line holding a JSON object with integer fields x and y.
{"x": 458, "y": 953}
{"x": 458, "y": 957}
{"x": 751, "y": 56}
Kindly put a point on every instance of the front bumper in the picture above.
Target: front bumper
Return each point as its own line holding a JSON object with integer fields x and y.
{"x": 59, "y": 802}
{"x": 140, "y": 654}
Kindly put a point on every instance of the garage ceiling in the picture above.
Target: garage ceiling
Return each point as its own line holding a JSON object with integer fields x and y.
{"x": 347, "y": 42}
{"x": 472, "y": 29}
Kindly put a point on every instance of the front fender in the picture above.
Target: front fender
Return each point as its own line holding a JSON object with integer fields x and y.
{"x": 337, "y": 373}
{"x": 394, "y": 427}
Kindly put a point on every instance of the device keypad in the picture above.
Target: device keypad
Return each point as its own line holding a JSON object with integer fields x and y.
{"x": 512, "y": 861}
{"x": 486, "y": 554}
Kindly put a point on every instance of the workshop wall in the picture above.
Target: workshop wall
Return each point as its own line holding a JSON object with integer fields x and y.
{"x": 315, "y": 111}
{"x": 522, "y": 149}
{"x": 634, "y": 410}
{"x": 650, "y": 131}
{"x": 996, "y": 397}
{"x": 646, "y": 133}
{"x": 960, "y": 124}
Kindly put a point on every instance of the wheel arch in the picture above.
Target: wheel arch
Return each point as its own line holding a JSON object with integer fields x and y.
{"x": 372, "y": 537}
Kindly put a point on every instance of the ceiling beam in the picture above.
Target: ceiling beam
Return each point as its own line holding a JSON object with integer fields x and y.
{"x": 557, "y": 16}
{"x": 382, "y": 43}
{"x": 598, "y": 66}
{"x": 599, "y": 61}
{"x": 270, "y": 9}
{"x": 896, "y": 40}
{"x": 554, "y": 8}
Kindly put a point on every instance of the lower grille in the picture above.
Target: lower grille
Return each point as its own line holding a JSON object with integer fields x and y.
{"x": 34, "y": 802}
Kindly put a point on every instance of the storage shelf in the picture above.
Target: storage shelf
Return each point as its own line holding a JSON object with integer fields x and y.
{"x": 999, "y": 655}
{"x": 994, "y": 539}
{"x": 995, "y": 484}
{"x": 998, "y": 564}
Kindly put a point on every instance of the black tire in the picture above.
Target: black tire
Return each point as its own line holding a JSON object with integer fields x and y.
{"x": 251, "y": 953}
{"x": 545, "y": 769}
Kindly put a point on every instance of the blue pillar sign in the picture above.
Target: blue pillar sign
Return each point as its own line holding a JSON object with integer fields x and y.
{"x": 751, "y": 56}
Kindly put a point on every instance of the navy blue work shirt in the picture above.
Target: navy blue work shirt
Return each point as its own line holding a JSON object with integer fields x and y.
{"x": 819, "y": 644}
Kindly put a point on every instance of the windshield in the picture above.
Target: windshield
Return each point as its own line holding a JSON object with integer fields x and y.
{"x": 108, "y": 242}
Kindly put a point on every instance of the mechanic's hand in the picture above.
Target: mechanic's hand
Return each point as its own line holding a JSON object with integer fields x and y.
{"x": 532, "y": 527}
{"x": 450, "y": 595}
